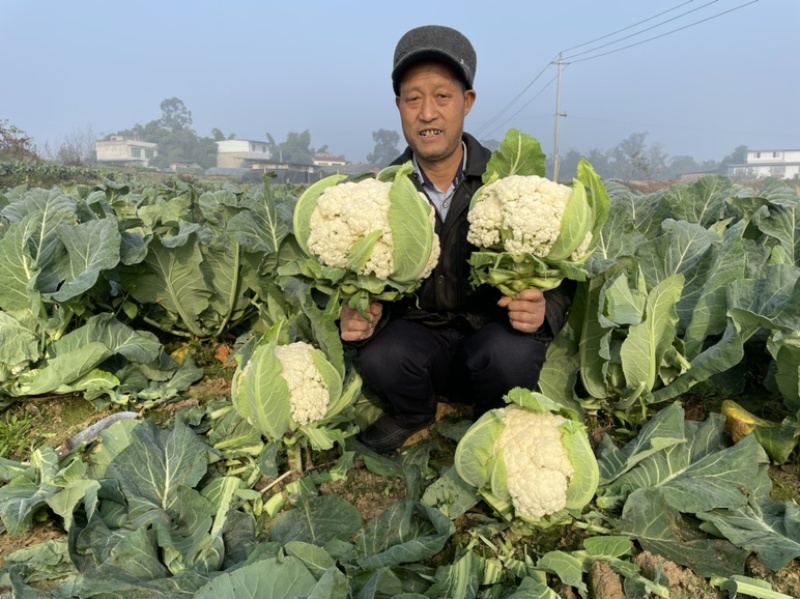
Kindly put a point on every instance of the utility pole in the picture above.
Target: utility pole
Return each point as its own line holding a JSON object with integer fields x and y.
{"x": 560, "y": 63}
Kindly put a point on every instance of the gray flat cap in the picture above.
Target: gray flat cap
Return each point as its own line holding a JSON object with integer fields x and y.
{"x": 436, "y": 43}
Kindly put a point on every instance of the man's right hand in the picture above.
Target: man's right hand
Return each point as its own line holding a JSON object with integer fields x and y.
{"x": 353, "y": 325}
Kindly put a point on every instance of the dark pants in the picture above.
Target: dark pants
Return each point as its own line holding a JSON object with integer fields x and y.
{"x": 408, "y": 365}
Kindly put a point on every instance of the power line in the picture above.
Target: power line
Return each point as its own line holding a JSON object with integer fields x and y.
{"x": 655, "y": 37}
{"x": 659, "y": 24}
{"x": 488, "y": 125}
{"x": 602, "y": 37}
{"x": 500, "y": 113}
{"x": 524, "y": 106}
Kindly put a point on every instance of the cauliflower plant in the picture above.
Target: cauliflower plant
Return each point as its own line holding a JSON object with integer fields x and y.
{"x": 522, "y": 215}
{"x": 531, "y": 232}
{"x": 349, "y": 212}
{"x": 529, "y": 461}
{"x": 288, "y": 387}
{"x": 368, "y": 240}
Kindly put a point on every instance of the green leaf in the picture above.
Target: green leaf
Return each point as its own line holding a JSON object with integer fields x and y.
{"x": 476, "y": 448}
{"x": 315, "y": 558}
{"x": 361, "y": 251}
{"x": 596, "y": 196}
{"x": 412, "y": 228}
{"x": 305, "y": 206}
{"x": 62, "y": 370}
{"x": 646, "y": 343}
{"x": 92, "y": 247}
{"x": 664, "y": 430}
{"x": 318, "y": 520}
{"x": 156, "y": 464}
{"x": 747, "y": 586}
{"x": 769, "y": 528}
{"x": 18, "y": 270}
{"x": 661, "y": 529}
{"x": 407, "y": 532}
{"x": 461, "y": 579}
{"x": 18, "y": 343}
{"x": 708, "y": 312}
{"x": 594, "y": 334}
{"x": 583, "y": 486}
{"x": 260, "y": 229}
{"x": 701, "y": 474}
{"x": 260, "y": 394}
{"x": 575, "y": 224}
{"x": 703, "y": 202}
{"x": 518, "y": 154}
{"x": 104, "y": 328}
{"x": 285, "y": 578}
{"x": 607, "y": 546}
{"x": 450, "y": 494}
{"x": 567, "y": 567}
{"x": 171, "y": 278}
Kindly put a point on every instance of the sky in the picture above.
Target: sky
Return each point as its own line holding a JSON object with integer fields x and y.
{"x": 725, "y": 74}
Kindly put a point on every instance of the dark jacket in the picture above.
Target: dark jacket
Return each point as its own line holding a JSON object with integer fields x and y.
{"x": 446, "y": 297}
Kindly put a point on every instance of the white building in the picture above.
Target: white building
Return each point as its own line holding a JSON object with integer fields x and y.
{"x": 120, "y": 151}
{"x": 780, "y": 164}
{"x": 242, "y": 153}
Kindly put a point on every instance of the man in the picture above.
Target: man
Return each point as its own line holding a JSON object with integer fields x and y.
{"x": 450, "y": 339}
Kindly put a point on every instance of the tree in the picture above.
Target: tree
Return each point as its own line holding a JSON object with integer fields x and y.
{"x": 679, "y": 165}
{"x": 75, "y": 148}
{"x": 628, "y": 155}
{"x": 177, "y": 141}
{"x": 295, "y": 150}
{"x": 385, "y": 147}
{"x": 174, "y": 115}
{"x": 738, "y": 156}
{"x": 569, "y": 165}
{"x": 15, "y": 144}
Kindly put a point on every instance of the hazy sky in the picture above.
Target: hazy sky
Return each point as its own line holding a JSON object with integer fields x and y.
{"x": 253, "y": 68}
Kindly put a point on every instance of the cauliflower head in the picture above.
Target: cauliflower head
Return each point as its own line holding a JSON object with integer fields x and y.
{"x": 346, "y": 213}
{"x": 538, "y": 465}
{"x": 308, "y": 392}
{"x": 521, "y": 214}
{"x": 530, "y": 460}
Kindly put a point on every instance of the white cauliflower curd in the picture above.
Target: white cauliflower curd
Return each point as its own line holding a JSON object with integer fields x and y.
{"x": 346, "y": 213}
{"x": 537, "y": 463}
{"x": 349, "y": 212}
{"x": 307, "y": 389}
{"x": 521, "y": 215}
{"x": 529, "y": 460}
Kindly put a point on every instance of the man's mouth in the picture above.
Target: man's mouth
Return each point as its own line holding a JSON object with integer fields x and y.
{"x": 428, "y": 133}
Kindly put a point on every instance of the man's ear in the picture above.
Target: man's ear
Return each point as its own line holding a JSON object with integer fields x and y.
{"x": 469, "y": 100}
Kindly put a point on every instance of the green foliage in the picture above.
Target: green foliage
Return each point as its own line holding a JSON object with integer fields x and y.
{"x": 15, "y": 432}
{"x": 679, "y": 282}
{"x": 47, "y": 174}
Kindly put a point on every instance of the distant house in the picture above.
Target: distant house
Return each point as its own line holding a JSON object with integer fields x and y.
{"x": 325, "y": 159}
{"x": 781, "y": 164}
{"x": 125, "y": 152}
{"x": 243, "y": 153}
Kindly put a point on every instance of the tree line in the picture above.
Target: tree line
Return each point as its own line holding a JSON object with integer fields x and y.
{"x": 633, "y": 158}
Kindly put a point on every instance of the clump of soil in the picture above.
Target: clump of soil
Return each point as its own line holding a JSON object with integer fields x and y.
{"x": 605, "y": 583}
{"x": 369, "y": 493}
{"x": 41, "y": 533}
{"x": 682, "y": 583}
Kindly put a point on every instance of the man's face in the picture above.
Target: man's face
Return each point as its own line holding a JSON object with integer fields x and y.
{"x": 433, "y": 104}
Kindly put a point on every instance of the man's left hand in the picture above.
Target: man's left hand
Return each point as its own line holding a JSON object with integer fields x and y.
{"x": 526, "y": 310}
